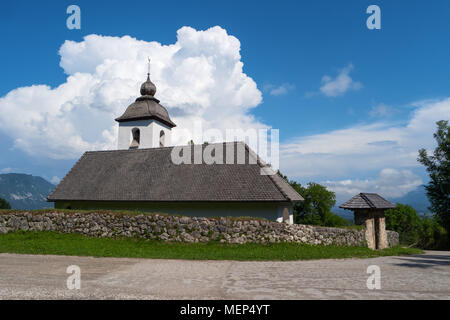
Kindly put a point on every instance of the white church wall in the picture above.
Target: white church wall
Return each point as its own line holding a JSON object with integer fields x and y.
{"x": 156, "y": 128}
{"x": 149, "y": 134}
{"x": 267, "y": 210}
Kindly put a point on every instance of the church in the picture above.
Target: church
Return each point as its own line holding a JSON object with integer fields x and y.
{"x": 140, "y": 175}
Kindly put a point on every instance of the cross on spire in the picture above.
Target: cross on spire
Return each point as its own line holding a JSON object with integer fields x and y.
{"x": 148, "y": 66}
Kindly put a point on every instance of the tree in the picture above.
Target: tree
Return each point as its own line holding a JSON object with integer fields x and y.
{"x": 4, "y": 204}
{"x": 316, "y": 209}
{"x": 432, "y": 234}
{"x": 424, "y": 232}
{"x": 438, "y": 167}
{"x": 404, "y": 220}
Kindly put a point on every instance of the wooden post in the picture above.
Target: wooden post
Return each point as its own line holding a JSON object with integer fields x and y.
{"x": 370, "y": 232}
{"x": 382, "y": 241}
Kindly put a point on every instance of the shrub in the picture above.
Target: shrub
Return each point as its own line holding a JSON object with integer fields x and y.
{"x": 424, "y": 232}
{"x": 4, "y": 204}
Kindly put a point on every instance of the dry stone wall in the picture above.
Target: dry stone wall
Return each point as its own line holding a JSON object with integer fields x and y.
{"x": 181, "y": 229}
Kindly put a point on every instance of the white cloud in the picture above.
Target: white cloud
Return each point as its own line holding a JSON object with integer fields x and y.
{"x": 279, "y": 90}
{"x": 356, "y": 151}
{"x": 333, "y": 87}
{"x": 199, "y": 77}
{"x": 382, "y": 110}
{"x": 6, "y": 170}
{"x": 390, "y": 183}
{"x": 55, "y": 180}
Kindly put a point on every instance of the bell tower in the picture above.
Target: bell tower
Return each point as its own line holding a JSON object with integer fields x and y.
{"x": 145, "y": 123}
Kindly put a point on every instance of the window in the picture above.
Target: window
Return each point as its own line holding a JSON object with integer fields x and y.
{"x": 161, "y": 138}
{"x": 136, "y": 133}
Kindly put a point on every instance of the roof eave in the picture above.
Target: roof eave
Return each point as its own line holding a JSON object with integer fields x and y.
{"x": 367, "y": 208}
{"x": 206, "y": 201}
{"x": 168, "y": 123}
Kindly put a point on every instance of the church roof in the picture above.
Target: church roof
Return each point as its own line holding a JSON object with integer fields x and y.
{"x": 147, "y": 107}
{"x": 367, "y": 201}
{"x": 151, "y": 175}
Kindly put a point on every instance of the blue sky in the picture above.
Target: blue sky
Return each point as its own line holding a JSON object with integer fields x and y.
{"x": 391, "y": 78}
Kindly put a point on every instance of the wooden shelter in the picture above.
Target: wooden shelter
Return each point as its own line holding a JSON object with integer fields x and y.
{"x": 368, "y": 209}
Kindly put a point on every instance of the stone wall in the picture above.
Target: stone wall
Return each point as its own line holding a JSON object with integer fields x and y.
{"x": 181, "y": 229}
{"x": 393, "y": 238}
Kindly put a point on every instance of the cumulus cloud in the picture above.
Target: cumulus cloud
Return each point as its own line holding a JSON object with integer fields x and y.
{"x": 390, "y": 183}
{"x": 199, "y": 78}
{"x": 333, "y": 87}
{"x": 355, "y": 151}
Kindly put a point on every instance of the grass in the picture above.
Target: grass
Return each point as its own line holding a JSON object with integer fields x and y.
{"x": 79, "y": 245}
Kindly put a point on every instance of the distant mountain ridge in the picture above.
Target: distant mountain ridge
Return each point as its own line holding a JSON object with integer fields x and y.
{"x": 24, "y": 191}
{"x": 416, "y": 199}
{"x": 27, "y": 192}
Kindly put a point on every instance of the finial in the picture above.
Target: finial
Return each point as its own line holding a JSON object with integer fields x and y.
{"x": 148, "y": 88}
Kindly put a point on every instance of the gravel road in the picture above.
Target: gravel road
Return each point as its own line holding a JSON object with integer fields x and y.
{"x": 425, "y": 276}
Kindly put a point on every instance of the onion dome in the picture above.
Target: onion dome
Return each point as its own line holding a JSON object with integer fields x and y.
{"x": 147, "y": 107}
{"x": 148, "y": 88}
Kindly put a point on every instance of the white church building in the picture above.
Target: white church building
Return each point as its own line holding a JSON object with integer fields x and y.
{"x": 140, "y": 174}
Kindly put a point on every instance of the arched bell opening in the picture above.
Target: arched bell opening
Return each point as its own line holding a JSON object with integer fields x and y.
{"x": 136, "y": 135}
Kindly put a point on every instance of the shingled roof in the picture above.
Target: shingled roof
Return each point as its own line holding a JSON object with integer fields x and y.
{"x": 367, "y": 201}
{"x": 151, "y": 175}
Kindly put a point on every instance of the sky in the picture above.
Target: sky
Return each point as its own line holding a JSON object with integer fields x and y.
{"x": 352, "y": 105}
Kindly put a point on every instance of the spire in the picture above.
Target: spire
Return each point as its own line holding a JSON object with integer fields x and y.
{"x": 148, "y": 88}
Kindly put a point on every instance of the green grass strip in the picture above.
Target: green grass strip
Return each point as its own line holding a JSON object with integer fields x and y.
{"x": 78, "y": 245}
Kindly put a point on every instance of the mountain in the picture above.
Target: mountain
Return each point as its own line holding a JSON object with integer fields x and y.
{"x": 416, "y": 199}
{"x": 24, "y": 191}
